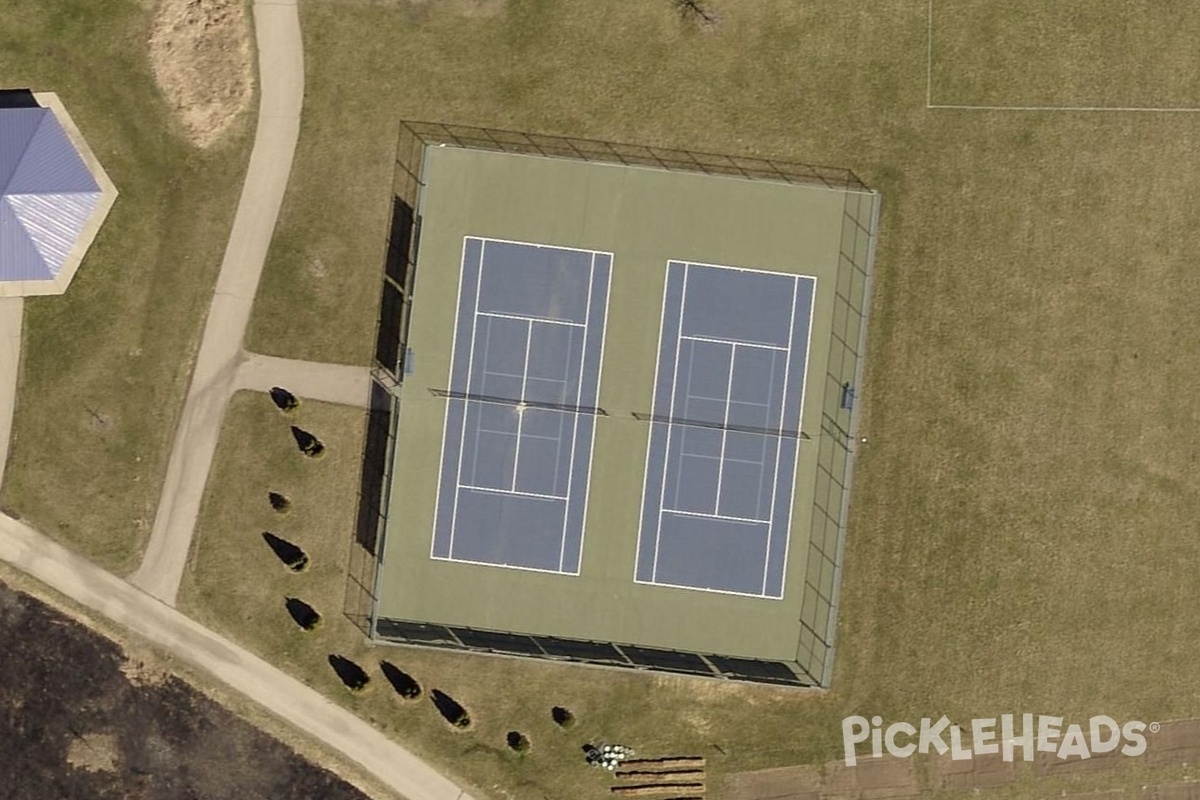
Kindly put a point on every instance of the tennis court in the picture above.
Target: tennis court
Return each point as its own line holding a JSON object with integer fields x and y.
{"x": 721, "y": 463}
{"x": 520, "y": 413}
{"x": 601, "y": 442}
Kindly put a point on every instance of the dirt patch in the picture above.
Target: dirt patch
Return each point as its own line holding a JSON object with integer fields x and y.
{"x": 783, "y": 783}
{"x": 73, "y": 724}
{"x": 982, "y": 770}
{"x": 1175, "y": 791}
{"x": 142, "y": 672}
{"x": 94, "y": 752}
{"x": 871, "y": 779}
{"x": 200, "y": 54}
{"x": 1176, "y": 742}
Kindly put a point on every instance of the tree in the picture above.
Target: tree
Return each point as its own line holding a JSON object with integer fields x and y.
{"x": 562, "y": 717}
{"x": 450, "y": 710}
{"x": 353, "y": 676}
{"x": 279, "y": 502}
{"x": 292, "y": 556}
{"x": 517, "y": 741}
{"x": 696, "y": 10}
{"x": 283, "y": 399}
{"x": 405, "y": 685}
{"x": 302, "y": 613}
{"x": 309, "y": 445}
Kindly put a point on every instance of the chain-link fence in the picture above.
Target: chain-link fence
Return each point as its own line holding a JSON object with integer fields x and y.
{"x": 838, "y": 422}
{"x": 418, "y": 133}
{"x": 836, "y": 446}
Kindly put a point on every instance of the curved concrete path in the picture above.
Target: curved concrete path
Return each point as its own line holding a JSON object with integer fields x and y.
{"x": 281, "y": 94}
{"x": 329, "y": 383}
{"x": 221, "y": 368}
{"x": 286, "y": 697}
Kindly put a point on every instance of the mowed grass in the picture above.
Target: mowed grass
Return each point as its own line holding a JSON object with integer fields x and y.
{"x": 1022, "y": 535}
{"x": 237, "y": 586}
{"x": 1065, "y": 53}
{"x": 106, "y": 365}
{"x": 624, "y": 72}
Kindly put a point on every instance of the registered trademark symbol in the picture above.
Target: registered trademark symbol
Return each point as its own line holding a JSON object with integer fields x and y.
{"x": 1154, "y": 726}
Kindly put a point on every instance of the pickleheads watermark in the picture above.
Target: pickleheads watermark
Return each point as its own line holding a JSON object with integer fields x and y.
{"x": 1030, "y": 733}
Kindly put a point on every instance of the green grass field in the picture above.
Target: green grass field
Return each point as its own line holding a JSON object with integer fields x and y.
{"x": 106, "y": 365}
{"x": 1065, "y": 53}
{"x": 1022, "y": 534}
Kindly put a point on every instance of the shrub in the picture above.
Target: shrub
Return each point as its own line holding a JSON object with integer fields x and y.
{"x": 292, "y": 556}
{"x": 303, "y": 614}
{"x": 450, "y": 710}
{"x": 283, "y": 399}
{"x": 309, "y": 445}
{"x": 353, "y": 676}
{"x": 405, "y": 685}
{"x": 562, "y": 717}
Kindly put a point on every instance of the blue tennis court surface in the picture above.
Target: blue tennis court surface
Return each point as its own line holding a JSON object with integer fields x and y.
{"x": 524, "y": 379}
{"x": 724, "y": 435}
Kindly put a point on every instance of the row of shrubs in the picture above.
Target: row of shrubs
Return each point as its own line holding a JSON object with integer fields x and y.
{"x": 356, "y": 679}
{"x": 351, "y": 674}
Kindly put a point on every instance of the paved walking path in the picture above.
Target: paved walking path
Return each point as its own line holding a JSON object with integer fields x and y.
{"x": 281, "y": 89}
{"x": 221, "y": 368}
{"x": 12, "y": 312}
{"x": 331, "y": 383}
{"x": 286, "y": 697}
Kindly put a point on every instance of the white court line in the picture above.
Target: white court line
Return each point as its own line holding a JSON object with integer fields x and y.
{"x": 758, "y": 270}
{"x": 476, "y": 313}
{"x": 662, "y": 330}
{"x": 787, "y": 365}
{"x": 518, "y": 567}
{"x": 722, "y": 399}
{"x": 489, "y": 373}
{"x": 683, "y": 434}
{"x": 929, "y": 104}
{"x": 521, "y": 414}
{"x": 540, "y": 436}
{"x": 462, "y": 444}
{"x": 587, "y": 490}
{"x": 480, "y": 430}
{"x": 685, "y": 587}
{"x": 437, "y": 501}
{"x": 795, "y": 279}
{"x": 787, "y": 542}
{"x": 587, "y": 315}
{"x": 671, "y": 410}
{"x": 522, "y": 318}
{"x": 446, "y": 421}
{"x": 722, "y": 517}
{"x": 760, "y": 463}
{"x": 725, "y": 427}
{"x": 514, "y": 492}
{"x": 732, "y": 341}
{"x": 540, "y": 245}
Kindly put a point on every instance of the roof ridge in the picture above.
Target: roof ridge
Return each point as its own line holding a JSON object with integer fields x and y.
{"x": 16, "y": 162}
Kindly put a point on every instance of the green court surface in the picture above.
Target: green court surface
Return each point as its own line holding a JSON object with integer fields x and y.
{"x": 644, "y": 217}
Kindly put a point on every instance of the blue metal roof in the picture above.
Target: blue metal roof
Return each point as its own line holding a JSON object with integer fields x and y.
{"x": 47, "y": 194}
